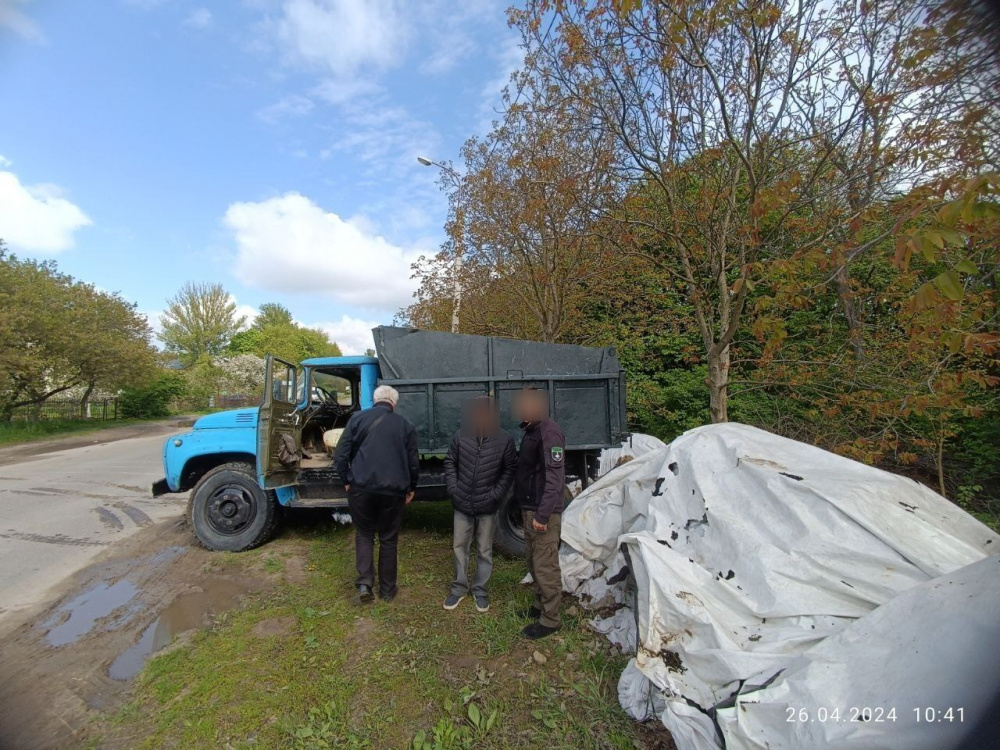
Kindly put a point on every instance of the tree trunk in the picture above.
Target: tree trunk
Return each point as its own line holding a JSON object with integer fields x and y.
{"x": 718, "y": 385}
{"x": 940, "y": 461}
{"x": 85, "y": 402}
{"x": 854, "y": 333}
{"x": 456, "y": 309}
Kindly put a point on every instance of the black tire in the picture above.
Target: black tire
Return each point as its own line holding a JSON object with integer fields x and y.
{"x": 509, "y": 534}
{"x": 229, "y": 511}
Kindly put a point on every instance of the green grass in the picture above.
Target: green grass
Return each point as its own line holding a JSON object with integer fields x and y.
{"x": 26, "y": 432}
{"x": 406, "y": 674}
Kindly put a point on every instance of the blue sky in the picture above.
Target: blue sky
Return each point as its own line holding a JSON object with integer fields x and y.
{"x": 269, "y": 145}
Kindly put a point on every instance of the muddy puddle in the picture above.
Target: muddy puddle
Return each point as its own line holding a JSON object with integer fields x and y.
{"x": 113, "y": 604}
{"x": 77, "y": 654}
{"x": 79, "y": 615}
{"x": 187, "y": 612}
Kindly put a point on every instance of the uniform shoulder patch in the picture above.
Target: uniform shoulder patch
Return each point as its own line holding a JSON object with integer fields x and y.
{"x": 557, "y": 453}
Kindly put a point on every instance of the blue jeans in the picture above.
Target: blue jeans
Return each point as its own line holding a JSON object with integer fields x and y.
{"x": 465, "y": 528}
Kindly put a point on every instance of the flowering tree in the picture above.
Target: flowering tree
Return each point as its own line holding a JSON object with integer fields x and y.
{"x": 242, "y": 373}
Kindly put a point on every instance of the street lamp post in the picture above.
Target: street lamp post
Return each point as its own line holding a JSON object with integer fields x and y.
{"x": 459, "y": 239}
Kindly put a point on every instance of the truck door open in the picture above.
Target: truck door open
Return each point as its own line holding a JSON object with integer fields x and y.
{"x": 278, "y": 428}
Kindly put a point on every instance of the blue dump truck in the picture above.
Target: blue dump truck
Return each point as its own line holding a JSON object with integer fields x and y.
{"x": 242, "y": 467}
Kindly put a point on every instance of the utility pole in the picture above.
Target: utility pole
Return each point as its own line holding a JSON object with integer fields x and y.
{"x": 459, "y": 183}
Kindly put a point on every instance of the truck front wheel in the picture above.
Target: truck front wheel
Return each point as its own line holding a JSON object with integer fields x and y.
{"x": 509, "y": 534}
{"x": 229, "y": 511}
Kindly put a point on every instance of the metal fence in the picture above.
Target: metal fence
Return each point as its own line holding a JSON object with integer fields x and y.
{"x": 99, "y": 409}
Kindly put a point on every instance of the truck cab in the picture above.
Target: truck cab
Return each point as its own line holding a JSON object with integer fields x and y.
{"x": 242, "y": 466}
{"x": 242, "y": 463}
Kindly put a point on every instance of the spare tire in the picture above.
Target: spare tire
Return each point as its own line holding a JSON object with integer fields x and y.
{"x": 509, "y": 534}
{"x": 229, "y": 511}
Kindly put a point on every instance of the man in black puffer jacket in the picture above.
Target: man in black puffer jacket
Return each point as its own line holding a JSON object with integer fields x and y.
{"x": 479, "y": 470}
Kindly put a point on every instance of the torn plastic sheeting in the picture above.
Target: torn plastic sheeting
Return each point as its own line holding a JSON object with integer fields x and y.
{"x": 615, "y": 504}
{"x": 635, "y": 446}
{"x": 619, "y": 628}
{"x": 749, "y": 549}
{"x": 893, "y": 662}
{"x": 636, "y": 696}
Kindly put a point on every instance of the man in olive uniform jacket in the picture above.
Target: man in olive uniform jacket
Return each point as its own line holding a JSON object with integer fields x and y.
{"x": 539, "y": 487}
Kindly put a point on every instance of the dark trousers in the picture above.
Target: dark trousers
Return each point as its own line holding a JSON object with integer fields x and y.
{"x": 543, "y": 564}
{"x": 376, "y": 514}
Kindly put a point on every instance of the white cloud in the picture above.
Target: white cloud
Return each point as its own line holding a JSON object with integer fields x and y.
{"x": 244, "y": 311}
{"x": 509, "y": 59}
{"x": 449, "y": 33}
{"x": 144, "y": 4}
{"x": 4, "y": 161}
{"x": 37, "y": 217}
{"x": 342, "y": 36}
{"x": 294, "y": 105}
{"x": 18, "y": 21}
{"x": 344, "y": 91}
{"x": 382, "y": 134}
{"x": 353, "y": 335}
{"x": 199, "y": 18}
{"x": 447, "y": 55}
{"x": 290, "y": 244}
{"x": 153, "y": 318}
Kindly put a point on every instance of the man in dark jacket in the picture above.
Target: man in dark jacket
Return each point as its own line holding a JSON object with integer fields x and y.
{"x": 377, "y": 460}
{"x": 478, "y": 470}
{"x": 539, "y": 487}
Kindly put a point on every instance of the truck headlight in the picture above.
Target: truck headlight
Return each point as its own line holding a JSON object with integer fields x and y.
{"x": 178, "y": 442}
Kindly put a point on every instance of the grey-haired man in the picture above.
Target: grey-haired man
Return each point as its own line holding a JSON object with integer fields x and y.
{"x": 378, "y": 461}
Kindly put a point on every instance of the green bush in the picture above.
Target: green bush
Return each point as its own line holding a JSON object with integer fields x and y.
{"x": 670, "y": 402}
{"x": 153, "y": 399}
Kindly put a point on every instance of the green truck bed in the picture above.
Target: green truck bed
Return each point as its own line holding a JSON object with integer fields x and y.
{"x": 586, "y": 385}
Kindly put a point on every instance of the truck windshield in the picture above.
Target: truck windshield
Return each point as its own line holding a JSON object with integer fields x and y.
{"x": 331, "y": 389}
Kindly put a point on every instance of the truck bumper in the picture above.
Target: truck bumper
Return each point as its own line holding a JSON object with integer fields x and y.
{"x": 160, "y": 487}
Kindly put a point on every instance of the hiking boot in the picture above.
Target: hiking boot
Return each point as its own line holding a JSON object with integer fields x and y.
{"x": 365, "y": 594}
{"x": 482, "y": 603}
{"x": 387, "y": 597}
{"x": 536, "y": 630}
{"x": 453, "y": 601}
{"x": 530, "y": 613}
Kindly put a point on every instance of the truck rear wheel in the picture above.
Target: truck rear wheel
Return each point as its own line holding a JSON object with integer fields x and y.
{"x": 229, "y": 511}
{"x": 509, "y": 534}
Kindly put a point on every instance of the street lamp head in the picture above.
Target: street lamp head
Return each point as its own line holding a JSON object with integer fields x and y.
{"x": 425, "y": 161}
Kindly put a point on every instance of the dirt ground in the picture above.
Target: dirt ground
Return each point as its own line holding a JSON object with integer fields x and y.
{"x": 286, "y": 620}
{"x": 75, "y": 655}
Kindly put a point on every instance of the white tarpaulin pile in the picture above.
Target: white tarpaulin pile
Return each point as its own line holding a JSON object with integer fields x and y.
{"x": 637, "y": 445}
{"x": 786, "y": 597}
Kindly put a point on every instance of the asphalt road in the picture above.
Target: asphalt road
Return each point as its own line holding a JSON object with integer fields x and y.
{"x": 59, "y": 509}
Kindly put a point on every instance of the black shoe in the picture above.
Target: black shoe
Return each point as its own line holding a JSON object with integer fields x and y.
{"x": 531, "y": 613}
{"x": 536, "y": 630}
{"x": 387, "y": 597}
{"x": 365, "y": 594}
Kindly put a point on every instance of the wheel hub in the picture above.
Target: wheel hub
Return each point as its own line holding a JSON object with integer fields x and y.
{"x": 231, "y": 509}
